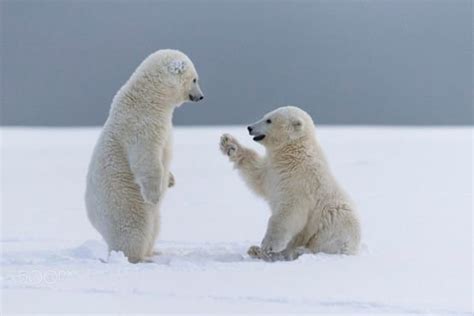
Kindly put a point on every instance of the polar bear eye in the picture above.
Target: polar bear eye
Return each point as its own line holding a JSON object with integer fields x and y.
{"x": 269, "y": 121}
{"x": 194, "y": 80}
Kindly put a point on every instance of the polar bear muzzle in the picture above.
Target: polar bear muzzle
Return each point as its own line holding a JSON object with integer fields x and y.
{"x": 196, "y": 94}
{"x": 196, "y": 98}
{"x": 258, "y": 136}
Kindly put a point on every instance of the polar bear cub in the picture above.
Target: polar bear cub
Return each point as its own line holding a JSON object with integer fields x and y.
{"x": 129, "y": 171}
{"x": 309, "y": 210}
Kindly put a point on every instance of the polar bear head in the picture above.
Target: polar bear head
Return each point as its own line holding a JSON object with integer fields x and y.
{"x": 173, "y": 75}
{"x": 282, "y": 126}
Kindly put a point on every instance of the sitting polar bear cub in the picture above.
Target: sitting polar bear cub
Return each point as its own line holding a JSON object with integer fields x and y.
{"x": 129, "y": 171}
{"x": 309, "y": 210}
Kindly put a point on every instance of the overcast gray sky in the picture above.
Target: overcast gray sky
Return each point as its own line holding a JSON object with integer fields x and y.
{"x": 346, "y": 62}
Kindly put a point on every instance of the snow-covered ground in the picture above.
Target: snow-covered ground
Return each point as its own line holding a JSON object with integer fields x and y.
{"x": 413, "y": 188}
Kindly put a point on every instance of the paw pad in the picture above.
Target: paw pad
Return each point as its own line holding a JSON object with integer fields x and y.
{"x": 227, "y": 145}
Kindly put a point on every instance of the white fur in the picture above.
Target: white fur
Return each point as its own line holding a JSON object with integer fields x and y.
{"x": 129, "y": 171}
{"x": 309, "y": 210}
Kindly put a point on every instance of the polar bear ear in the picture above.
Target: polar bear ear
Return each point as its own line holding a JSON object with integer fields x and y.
{"x": 177, "y": 67}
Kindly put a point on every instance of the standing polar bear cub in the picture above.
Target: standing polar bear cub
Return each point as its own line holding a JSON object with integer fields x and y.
{"x": 309, "y": 210}
{"x": 129, "y": 171}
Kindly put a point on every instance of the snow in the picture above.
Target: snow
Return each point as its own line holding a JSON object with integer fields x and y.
{"x": 413, "y": 188}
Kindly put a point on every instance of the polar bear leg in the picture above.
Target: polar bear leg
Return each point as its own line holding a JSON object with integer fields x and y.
{"x": 133, "y": 241}
{"x": 283, "y": 226}
{"x": 155, "y": 230}
{"x": 147, "y": 169}
{"x": 293, "y": 253}
{"x": 247, "y": 161}
{"x": 135, "y": 248}
{"x": 338, "y": 234}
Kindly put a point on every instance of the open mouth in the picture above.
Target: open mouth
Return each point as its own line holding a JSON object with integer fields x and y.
{"x": 258, "y": 138}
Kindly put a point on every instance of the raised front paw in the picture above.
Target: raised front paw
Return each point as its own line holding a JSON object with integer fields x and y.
{"x": 151, "y": 189}
{"x": 171, "y": 180}
{"x": 228, "y": 145}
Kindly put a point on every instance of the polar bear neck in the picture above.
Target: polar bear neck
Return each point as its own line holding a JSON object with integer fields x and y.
{"x": 297, "y": 153}
{"x": 141, "y": 99}
{"x": 290, "y": 152}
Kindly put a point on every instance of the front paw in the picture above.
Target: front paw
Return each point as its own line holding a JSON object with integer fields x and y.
{"x": 151, "y": 190}
{"x": 273, "y": 245}
{"x": 255, "y": 252}
{"x": 171, "y": 180}
{"x": 228, "y": 145}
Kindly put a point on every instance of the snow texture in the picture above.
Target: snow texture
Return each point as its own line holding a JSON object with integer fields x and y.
{"x": 412, "y": 186}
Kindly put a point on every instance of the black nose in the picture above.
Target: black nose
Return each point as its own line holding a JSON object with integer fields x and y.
{"x": 201, "y": 97}
{"x": 250, "y": 129}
